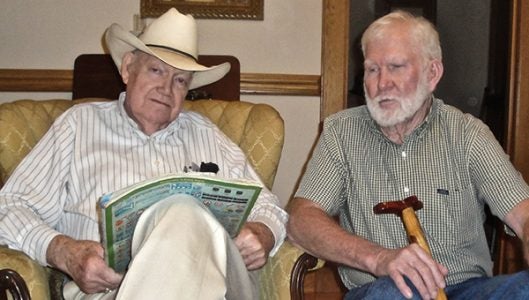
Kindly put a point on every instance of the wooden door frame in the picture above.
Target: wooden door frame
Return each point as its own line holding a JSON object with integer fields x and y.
{"x": 509, "y": 256}
{"x": 335, "y": 56}
{"x": 517, "y": 142}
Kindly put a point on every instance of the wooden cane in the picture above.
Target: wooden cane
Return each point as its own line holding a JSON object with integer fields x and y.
{"x": 405, "y": 209}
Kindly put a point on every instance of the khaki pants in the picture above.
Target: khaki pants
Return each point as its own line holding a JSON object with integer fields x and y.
{"x": 180, "y": 251}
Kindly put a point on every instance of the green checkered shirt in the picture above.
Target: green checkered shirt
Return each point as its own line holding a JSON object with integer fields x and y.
{"x": 452, "y": 163}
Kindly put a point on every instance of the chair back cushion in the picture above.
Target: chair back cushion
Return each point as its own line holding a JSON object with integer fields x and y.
{"x": 96, "y": 75}
{"x": 258, "y": 129}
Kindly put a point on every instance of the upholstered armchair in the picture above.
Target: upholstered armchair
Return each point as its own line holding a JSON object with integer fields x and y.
{"x": 256, "y": 128}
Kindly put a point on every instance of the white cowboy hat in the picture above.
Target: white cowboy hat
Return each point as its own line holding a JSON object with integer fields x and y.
{"x": 173, "y": 39}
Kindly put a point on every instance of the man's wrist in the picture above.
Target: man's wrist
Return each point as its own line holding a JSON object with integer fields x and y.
{"x": 55, "y": 254}
{"x": 264, "y": 234}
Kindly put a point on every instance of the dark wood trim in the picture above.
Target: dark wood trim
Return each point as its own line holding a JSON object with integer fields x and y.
{"x": 37, "y": 80}
{"x": 13, "y": 283}
{"x": 252, "y": 10}
{"x": 33, "y": 80}
{"x": 303, "y": 264}
{"x": 510, "y": 256}
{"x": 280, "y": 84}
{"x": 518, "y": 110}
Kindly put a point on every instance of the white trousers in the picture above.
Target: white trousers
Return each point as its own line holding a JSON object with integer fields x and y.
{"x": 180, "y": 251}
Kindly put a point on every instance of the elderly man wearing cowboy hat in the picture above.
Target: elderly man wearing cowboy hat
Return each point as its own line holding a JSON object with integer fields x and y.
{"x": 48, "y": 206}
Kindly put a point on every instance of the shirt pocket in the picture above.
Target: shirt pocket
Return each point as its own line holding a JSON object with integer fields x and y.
{"x": 450, "y": 215}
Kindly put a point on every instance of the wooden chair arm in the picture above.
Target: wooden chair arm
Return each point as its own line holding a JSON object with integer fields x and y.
{"x": 14, "y": 283}
{"x": 303, "y": 264}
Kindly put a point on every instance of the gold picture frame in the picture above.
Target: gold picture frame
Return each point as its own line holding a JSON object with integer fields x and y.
{"x": 206, "y": 9}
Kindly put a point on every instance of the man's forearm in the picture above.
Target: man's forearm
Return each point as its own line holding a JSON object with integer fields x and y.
{"x": 319, "y": 234}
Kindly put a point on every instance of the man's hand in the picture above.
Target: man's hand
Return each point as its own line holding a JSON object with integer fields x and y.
{"x": 427, "y": 275}
{"x": 84, "y": 262}
{"x": 254, "y": 242}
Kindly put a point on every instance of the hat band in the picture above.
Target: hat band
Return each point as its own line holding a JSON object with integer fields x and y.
{"x": 172, "y": 49}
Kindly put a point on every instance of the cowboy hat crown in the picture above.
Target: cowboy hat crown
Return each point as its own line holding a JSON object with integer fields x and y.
{"x": 171, "y": 38}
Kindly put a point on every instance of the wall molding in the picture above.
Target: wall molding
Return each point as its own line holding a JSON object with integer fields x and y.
{"x": 50, "y": 80}
{"x": 33, "y": 80}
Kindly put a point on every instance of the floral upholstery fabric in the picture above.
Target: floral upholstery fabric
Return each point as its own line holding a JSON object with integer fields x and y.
{"x": 257, "y": 128}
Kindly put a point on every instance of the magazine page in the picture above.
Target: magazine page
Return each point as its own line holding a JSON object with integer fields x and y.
{"x": 229, "y": 200}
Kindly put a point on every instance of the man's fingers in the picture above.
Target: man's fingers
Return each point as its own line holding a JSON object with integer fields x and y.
{"x": 433, "y": 273}
{"x": 441, "y": 273}
{"x": 112, "y": 279}
{"x": 414, "y": 264}
{"x": 402, "y": 286}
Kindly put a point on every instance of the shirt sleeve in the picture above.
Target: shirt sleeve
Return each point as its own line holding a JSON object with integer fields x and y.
{"x": 266, "y": 209}
{"x": 268, "y": 212}
{"x": 498, "y": 182}
{"x": 31, "y": 200}
{"x": 324, "y": 179}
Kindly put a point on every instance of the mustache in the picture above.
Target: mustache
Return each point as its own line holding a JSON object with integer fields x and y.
{"x": 380, "y": 98}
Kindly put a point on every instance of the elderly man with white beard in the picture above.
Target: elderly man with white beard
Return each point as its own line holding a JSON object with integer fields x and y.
{"x": 405, "y": 142}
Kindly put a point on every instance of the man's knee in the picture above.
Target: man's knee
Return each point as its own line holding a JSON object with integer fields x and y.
{"x": 517, "y": 285}
{"x": 181, "y": 217}
{"x": 382, "y": 288}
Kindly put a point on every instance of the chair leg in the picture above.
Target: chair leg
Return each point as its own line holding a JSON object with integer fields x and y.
{"x": 304, "y": 263}
{"x": 14, "y": 283}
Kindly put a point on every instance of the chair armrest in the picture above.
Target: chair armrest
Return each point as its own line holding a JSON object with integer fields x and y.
{"x": 303, "y": 264}
{"x": 275, "y": 280}
{"x": 33, "y": 274}
{"x": 11, "y": 281}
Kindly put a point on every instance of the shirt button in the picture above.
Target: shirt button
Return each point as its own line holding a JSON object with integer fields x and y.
{"x": 404, "y": 155}
{"x": 406, "y": 190}
{"x": 156, "y": 162}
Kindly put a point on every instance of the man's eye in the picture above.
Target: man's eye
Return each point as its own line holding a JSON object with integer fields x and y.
{"x": 181, "y": 80}
{"x": 371, "y": 70}
{"x": 395, "y": 67}
{"x": 155, "y": 70}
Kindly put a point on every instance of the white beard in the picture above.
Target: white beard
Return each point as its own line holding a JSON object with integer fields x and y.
{"x": 408, "y": 105}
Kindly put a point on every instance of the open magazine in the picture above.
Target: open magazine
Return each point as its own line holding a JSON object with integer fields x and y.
{"x": 229, "y": 200}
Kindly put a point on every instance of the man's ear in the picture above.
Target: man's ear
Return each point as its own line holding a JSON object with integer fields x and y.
{"x": 125, "y": 66}
{"x": 435, "y": 72}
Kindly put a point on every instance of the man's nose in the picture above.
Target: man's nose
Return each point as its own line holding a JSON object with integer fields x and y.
{"x": 385, "y": 80}
{"x": 166, "y": 85}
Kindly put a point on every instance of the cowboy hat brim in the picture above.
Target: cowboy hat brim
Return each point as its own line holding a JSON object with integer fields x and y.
{"x": 121, "y": 41}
